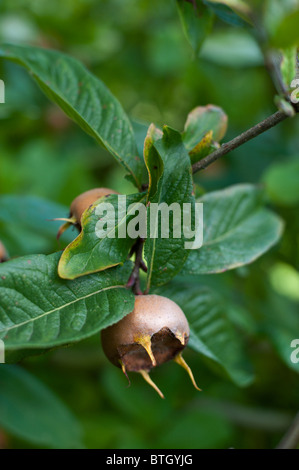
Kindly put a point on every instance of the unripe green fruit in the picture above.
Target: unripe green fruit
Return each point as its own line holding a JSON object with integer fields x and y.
{"x": 156, "y": 331}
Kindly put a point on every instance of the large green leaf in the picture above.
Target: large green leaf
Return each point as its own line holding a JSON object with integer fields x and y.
{"x": 26, "y": 225}
{"x": 30, "y": 411}
{"x": 237, "y": 230}
{"x": 169, "y": 168}
{"x": 88, "y": 253}
{"x": 84, "y": 98}
{"x": 196, "y": 20}
{"x": 211, "y": 332}
{"x": 40, "y": 310}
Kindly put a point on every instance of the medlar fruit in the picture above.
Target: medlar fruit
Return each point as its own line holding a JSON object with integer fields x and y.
{"x": 80, "y": 204}
{"x": 156, "y": 331}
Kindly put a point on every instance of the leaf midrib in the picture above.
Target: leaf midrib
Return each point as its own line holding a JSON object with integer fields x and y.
{"x": 59, "y": 308}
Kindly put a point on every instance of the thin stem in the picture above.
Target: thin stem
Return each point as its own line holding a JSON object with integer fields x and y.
{"x": 134, "y": 280}
{"x": 291, "y": 439}
{"x": 254, "y": 131}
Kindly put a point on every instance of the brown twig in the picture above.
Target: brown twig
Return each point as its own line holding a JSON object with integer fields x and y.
{"x": 241, "y": 139}
{"x": 134, "y": 279}
{"x": 264, "y": 125}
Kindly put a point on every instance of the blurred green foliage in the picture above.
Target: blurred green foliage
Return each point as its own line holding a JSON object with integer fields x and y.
{"x": 139, "y": 50}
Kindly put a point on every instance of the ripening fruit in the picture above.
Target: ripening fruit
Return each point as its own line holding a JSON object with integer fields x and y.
{"x": 155, "y": 332}
{"x": 3, "y": 253}
{"x": 80, "y": 204}
{"x": 85, "y": 200}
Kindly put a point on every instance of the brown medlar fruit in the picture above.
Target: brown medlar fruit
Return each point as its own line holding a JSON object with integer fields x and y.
{"x": 156, "y": 331}
{"x": 80, "y": 204}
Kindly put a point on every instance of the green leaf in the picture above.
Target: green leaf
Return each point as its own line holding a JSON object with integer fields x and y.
{"x": 237, "y": 230}
{"x": 200, "y": 121}
{"x": 169, "y": 169}
{"x": 140, "y": 131}
{"x": 288, "y": 65}
{"x": 40, "y": 310}
{"x": 287, "y": 31}
{"x": 281, "y": 182}
{"x": 203, "y": 148}
{"x": 88, "y": 253}
{"x": 232, "y": 48}
{"x": 281, "y": 329}
{"x": 84, "y": 98}
{"x": 211, "y": 332}
{"x": 154, "y": 162}
{"x": 30, "y": 411}
{"x": 197, "y": 22}
{"x": 236, "y": 12}
{"x": 26, "y": 225}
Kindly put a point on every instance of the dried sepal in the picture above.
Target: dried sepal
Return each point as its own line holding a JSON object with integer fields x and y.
{"x": 181, "y": 361}
{"x": 147, "y": 378}
{"x": 146, "y": 343}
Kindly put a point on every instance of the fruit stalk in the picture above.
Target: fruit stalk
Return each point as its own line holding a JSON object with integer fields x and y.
{"x": 134, "y": 279}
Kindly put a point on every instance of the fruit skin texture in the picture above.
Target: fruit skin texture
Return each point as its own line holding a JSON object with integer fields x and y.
{"x": 85, "y": 200}
{"x": 157, "y": 325}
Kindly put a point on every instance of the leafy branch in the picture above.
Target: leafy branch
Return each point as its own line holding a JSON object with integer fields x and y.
{"x": 241, "y": 139}
{"x": 274, "y": 58}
